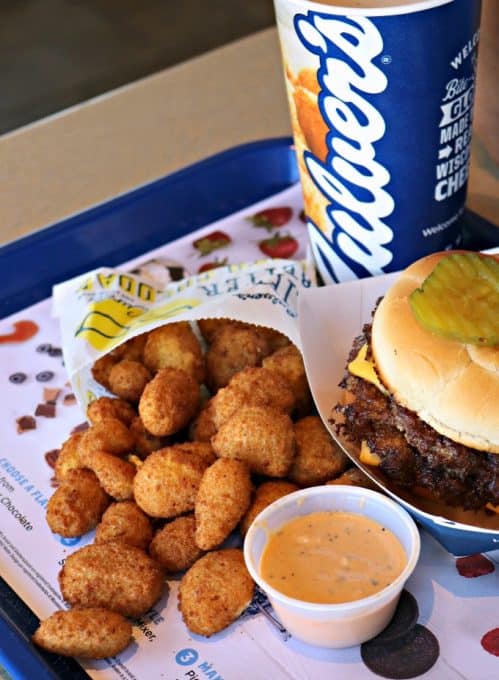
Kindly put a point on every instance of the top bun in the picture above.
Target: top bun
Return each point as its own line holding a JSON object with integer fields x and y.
{"x": 452, "y": 386}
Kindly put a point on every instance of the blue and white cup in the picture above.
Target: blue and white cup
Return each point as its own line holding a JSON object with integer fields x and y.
{"x": 381, "y": 98}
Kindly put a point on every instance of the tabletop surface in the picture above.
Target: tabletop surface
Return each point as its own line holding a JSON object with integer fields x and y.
{"x": 88, "y": 153}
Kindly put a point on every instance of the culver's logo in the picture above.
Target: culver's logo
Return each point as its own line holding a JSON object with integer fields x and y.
{"x": 351, "y": 179}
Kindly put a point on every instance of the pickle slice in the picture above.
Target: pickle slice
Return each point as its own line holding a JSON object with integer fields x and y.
{"x": 460, "y": 299}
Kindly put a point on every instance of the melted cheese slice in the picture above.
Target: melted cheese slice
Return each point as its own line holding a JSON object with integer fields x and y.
{"x": 364, "y": 368}
{"x": 366, "y": 456}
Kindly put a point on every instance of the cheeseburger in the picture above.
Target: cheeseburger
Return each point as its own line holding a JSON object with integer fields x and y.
{"x": 423, "y": 407}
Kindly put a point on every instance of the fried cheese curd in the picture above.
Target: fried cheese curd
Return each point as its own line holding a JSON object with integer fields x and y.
{"x": 115, "y": 576}
{"x": 145, "y": 442}
{"x": 174, "y": 547}
{"x": 127, "y": 379}
{"x": 167, "y": 482}
{"x": 210, "y": 327}
{"x": 233, "y": 349}
{"x": 110, "y": 435}
{"x": 266, "y": 493}
{"x": 317, "y": 458}
{"x": 109, "y": 407}
{"x": 288, "y": 362}
{"x": 224, "y": 496}
{"x": 275, "y": 338}
{"x": 202, "y": 428}
{"x": 175, "y": 346}
{"x": 93, "y": 633}
{"x": 252, "y": 387}
{"x": 203, "y": 450}
{"x": 77, "y": 505}
{"x": 132, "y": 349}
{"x": 355, "y": 477}
{"x": 169, "y": 402}
{"x": 115, "y": 475}
{"x": 69, "y": 456}
{"x": 263, "y": 437}
{"x": 124, "y": 522}
{"x": 101, "y": 369}
{"x": 215, "y": 591}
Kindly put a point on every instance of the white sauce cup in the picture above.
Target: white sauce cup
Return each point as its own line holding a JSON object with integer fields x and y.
{"x": 348, "y": 623}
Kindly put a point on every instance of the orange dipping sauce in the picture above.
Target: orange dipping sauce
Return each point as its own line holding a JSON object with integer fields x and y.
{"x": 331, "y": 557}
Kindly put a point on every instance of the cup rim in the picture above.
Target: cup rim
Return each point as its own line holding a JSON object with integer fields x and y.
{"x": 353, "y": 605}
{"x": 399, "y": 9}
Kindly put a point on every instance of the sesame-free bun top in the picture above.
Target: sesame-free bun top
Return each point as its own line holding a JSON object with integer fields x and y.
{"x": 452, "y": 386}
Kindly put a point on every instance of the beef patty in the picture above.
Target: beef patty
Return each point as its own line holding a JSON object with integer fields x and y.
{"x": 412, "y": 453}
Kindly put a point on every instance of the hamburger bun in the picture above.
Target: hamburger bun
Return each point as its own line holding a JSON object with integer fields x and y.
{"x": 452, "y": 386}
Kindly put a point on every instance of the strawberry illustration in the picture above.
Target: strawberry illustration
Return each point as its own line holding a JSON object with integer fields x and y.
{"x": 474, "y": 565}
{"x": 211, "y": 242}
{"x": 279, "y": 246}
{"x": 270, "y": 218}
{"x": 212, "y": 265}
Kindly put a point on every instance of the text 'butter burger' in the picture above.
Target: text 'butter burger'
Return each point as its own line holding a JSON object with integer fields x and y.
{"x": 422, "y": 387}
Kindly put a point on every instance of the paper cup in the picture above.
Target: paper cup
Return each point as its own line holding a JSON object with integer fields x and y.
{"x": 381, "y": 97}
{"x": 348, "y": 623}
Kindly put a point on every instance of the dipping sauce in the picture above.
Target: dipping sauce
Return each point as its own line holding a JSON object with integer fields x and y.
{"x": 331, "y": 557}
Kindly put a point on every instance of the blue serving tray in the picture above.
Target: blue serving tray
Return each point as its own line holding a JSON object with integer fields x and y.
{"x": 114, "y": 232}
